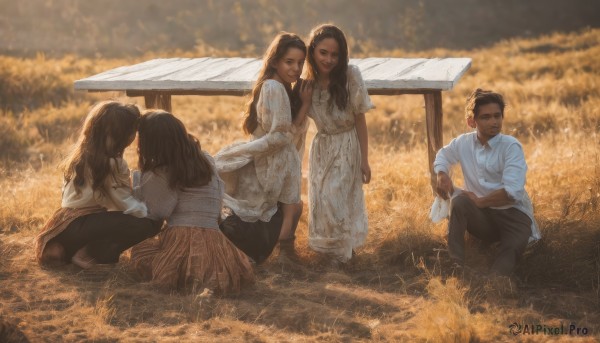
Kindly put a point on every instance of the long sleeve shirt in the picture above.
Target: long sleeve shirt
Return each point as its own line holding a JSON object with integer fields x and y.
{"x": 115, "y": 194}
{"x": 500, "y": 163}
{"x": 266, "y": 170}
{"x": 190, "y": 206}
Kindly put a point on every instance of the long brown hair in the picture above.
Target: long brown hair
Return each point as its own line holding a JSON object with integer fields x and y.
{"x": 338, "y": 80}
{"x": 105, "y": 134}
{"x": 164, "y": 142}
{"x": 276, "y": 50}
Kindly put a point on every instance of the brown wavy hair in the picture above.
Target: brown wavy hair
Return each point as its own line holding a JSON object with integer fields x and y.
{"x": 276, "y": 50}
{"x": 105, "y": 134}
{"x": 338, "y": 82}
{"x": 481, "y": 97}
{"x": 164, "y": 142}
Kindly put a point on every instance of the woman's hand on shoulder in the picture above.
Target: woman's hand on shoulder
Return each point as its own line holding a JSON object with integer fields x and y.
{"x": 305, "y": 90}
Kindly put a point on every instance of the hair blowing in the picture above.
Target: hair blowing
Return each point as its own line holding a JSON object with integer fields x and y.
{"x": 276, "y": 50}
{"x": 106, "y": 133}
{"x": 164, "y": 142}
{"x": 481, "y": 97}
{"x": 338, "y": 78}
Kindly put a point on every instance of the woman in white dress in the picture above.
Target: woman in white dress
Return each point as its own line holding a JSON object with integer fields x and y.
{"x": 263, "y": 176}
{"x": 339, "y": 162}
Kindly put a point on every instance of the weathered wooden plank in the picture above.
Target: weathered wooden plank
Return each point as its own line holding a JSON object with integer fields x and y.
{"x": 226, "y": 92}
{"x": 200, "y": 66}
{"x": 127, "y": 71}
{"x": 175, "y": 75}
{"x": 246, "y": 73}
{"x": 237, "y": 75}
{"x": 238, "y": 92}
{"x": 158, "y": 72}
{"x": 389, "y": 68}
{"x": 442, "y": 70}
{"x": 388, "y": 73}
{"x": 124, "y": 70}
{"x": 423, "y": 73}
{"x": 171, "y": 86}
{"x": 391, "y": 91}
{"x": 213, "y": 71}
{"x": 365, "y": 64}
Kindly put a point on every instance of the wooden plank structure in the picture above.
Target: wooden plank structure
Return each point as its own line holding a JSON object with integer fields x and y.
{"x": 158, "y": 79}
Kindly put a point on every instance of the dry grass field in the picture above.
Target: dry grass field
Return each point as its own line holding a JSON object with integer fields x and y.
{"x": 399, "y": 287}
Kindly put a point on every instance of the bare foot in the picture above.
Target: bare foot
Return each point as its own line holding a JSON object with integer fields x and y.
{"x": 82, "y": 259}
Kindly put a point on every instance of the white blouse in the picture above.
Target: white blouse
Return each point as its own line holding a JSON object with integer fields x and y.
{"x": 114, "y": 195}
{"x": 266, "y": 170}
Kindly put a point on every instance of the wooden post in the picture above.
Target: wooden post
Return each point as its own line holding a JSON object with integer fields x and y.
{"x": 158, "y": 100}
{"x": 433, "y": 118}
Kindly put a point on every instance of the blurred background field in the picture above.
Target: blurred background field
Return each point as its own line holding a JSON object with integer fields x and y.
{"x": 117, "y": 28}
{"x": 543, "y": 56}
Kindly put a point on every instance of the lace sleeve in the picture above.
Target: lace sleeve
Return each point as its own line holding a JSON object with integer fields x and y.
{"x": 358, "y": 93}
{"x": 275, "y": 107}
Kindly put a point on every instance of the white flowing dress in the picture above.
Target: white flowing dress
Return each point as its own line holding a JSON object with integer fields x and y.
{"x": 266, "y": 170}
{"x": 338, "y": 219}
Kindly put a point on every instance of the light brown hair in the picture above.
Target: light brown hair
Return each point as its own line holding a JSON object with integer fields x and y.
{"x": 105, "y": 134}
{"x": 276, "y": 50}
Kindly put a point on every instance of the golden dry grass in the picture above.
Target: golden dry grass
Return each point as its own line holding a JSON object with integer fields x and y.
{"x": 399, "y": 287}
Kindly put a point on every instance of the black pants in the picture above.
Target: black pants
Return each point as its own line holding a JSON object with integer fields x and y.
{"x": 257, "y": 239}
{"x": 105, "y": 235}
{"x": 511, "y": 227}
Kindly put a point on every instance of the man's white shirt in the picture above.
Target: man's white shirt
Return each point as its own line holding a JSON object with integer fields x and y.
{"x": 500, "y": 163}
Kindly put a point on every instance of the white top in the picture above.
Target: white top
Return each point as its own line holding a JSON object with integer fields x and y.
{"x": 266, "y": 170}
{"x": 498, "y": 164}
{"x": 114, "y": 195}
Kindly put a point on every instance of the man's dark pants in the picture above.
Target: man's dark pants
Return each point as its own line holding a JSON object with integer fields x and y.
{"x": 511, "y": 227}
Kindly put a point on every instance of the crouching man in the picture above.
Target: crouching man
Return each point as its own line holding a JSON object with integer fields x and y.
{"x": 494, "y": 205}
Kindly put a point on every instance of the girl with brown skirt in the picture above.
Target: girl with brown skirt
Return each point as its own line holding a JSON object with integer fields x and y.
{"x": 179, "y": 184}
{"x": 99, "y": 217}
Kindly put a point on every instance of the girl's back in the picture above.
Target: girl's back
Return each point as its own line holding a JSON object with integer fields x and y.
{"x": 197, "y": 206}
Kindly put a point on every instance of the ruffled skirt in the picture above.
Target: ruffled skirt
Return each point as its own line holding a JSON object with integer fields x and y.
{"x": 190, "y": 259}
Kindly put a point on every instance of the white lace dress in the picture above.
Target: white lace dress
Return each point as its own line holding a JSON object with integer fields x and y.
{"x": 267, "y": 169}
{"x": 337, "y": 214}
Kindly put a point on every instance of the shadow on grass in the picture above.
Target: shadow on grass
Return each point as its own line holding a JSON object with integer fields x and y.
{"x": 295, "y": 298}
{"x": 558, "y": 276}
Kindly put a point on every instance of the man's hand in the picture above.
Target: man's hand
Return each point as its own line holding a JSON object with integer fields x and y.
{"x": 474, "y": 198}
{"x": 444, "y": 187}
{"x": 496, "y": 198}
